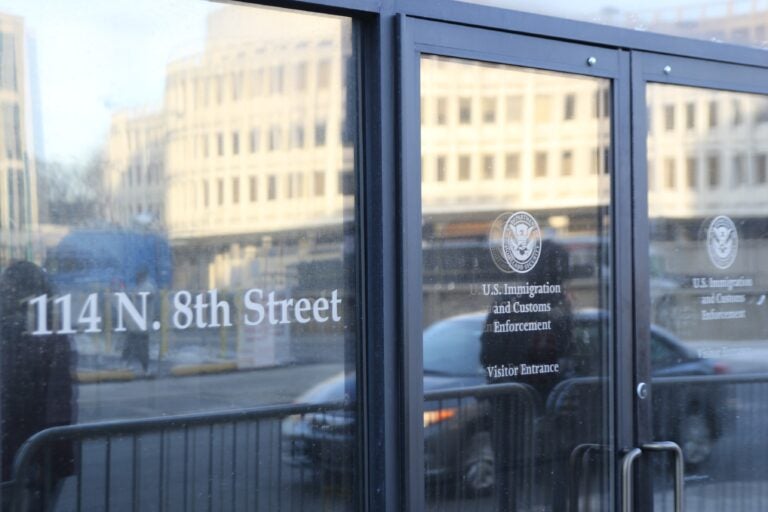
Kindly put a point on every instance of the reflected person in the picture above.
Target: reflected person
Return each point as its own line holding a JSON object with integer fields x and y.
{"x": 36, "y": 389}
{"x": 526, "y": 338}
{"x": 136, "y": 347}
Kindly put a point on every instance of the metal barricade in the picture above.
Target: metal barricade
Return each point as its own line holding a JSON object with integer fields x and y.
{"x": 283, "y": 457}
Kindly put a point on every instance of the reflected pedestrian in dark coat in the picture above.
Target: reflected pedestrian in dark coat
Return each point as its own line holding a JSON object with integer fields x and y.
{"x": 136, "y": 347}
{"x": 36, "y": 385}
{"x": 546, "y": 347}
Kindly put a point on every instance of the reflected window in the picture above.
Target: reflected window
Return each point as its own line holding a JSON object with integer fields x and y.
{"x": 713, "y": 171}
{"x": 465, "y": 110}
{"x": 324, "y": 74}
{"x": 569, "y": 107}
{"x": 465, "y": 167}
{"x": 441, "y": 112}
{"x": 738, "y": 115}
{"x": 691, "y": 172}
{"x": 275, "y": 134}
{"x": 566, "y": 163}
{"x": 252, "y": 188}
{"x": 669, "y": 117}
{"x": 739, "y": 172}
{"x": 488, "y": 167}
{"x": 320, "y": 130}
{"x": 540, "y": 164}
{"x": 669, "y": 173}
{"x": 254, "y": 140}
{"x": 300, "y": 78}
{"x": 512, "y": 166}
{"x": 441, "y": 170}
{"x": 276, "y": 79}
{"x": 319, "y": 183}
{"x": 712, "y": 117}
{"x": 489, "y": 110}
{"x": 761, "y": 168}
{"x": 690, "y": 116}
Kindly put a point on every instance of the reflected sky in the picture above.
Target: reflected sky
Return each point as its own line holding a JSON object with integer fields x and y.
{"x": 94, "y": 58}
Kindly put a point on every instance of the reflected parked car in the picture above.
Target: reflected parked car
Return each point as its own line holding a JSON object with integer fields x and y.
{"x": 457, "y": 432}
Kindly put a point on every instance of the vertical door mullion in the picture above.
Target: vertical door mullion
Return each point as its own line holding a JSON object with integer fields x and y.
{"x": 411, "y": 284}
{"x": 641, "y": 269}
{"x": 622, "y": 231}
{"x": 381, "y": 455}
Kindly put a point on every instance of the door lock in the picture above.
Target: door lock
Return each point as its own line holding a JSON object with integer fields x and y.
{"x": 642, "y": 390}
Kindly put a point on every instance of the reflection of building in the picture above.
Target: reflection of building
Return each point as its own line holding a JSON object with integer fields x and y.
{"x": 500, "y": 136}
{"x": 708, "y": 152}
{"x": 18, "y": 180}
{"x": 734, "y": 21}
{"x": 251, "y": 149}
{"x": 252, "y": 146}
{"x": 256, "y": 128}
{"x": 136, "y": 154}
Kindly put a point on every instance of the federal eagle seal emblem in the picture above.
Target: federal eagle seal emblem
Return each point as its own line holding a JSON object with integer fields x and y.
{"x": 515, "y": 242}
{"x": 722, "y": 242}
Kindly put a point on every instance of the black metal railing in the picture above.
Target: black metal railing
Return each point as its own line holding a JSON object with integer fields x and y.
{"x": 284, "y": 457}
{"x": 265, "y": 458}
{"x": 721, "y": 423}
{"x": 479, "y": 446}
{"x": 489, "y": 447}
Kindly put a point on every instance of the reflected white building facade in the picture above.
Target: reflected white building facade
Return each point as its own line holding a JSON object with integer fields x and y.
{"x": 251, "y": 145}
{"x": 18, "y": 177}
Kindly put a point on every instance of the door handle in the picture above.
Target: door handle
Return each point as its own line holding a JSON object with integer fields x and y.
{"x": 669, "y": 446}
{"x": 626, "y": 478}
{"x": 576, "y": 475}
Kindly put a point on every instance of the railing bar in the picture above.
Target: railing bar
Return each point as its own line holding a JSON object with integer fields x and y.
{"x": 108, "y": 474}
{"x": 459, "y": 462}
{"x": 279, "y": 469}
{"x": 257, "y": 449}
{"x": 134, "y": 428}
{"x": 210, "y": 468}
{"x": 135, "y": 473}
{"x": 221, "y": 469}
{"x": 442, "y": 483}
{"x": 301, "y": 470}
{"x": 234, "y": 467}
{"x": 186, "y": 468}
{"x": 161, "y": 475}
{"x": 246, "y": 486}
{"x": 79, "y": 469}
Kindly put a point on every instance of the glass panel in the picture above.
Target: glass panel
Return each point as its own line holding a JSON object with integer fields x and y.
{"x": 177, "y": 237}
{"x": 743, "y": 22}
{"x": 515, "y": 197}
{"x": 708, "y": 284}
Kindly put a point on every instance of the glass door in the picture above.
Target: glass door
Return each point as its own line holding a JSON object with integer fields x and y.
{"x": 702, "y": 279}
{"x": 510, "y": 324}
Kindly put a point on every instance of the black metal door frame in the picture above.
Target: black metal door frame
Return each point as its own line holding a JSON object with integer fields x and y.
{"x": 424, "y": 37}
{"x": 390, "y": 457}
{"x": 660, "y": 68}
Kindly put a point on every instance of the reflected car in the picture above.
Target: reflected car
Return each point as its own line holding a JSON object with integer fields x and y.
{"x": 457, "y": 432}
